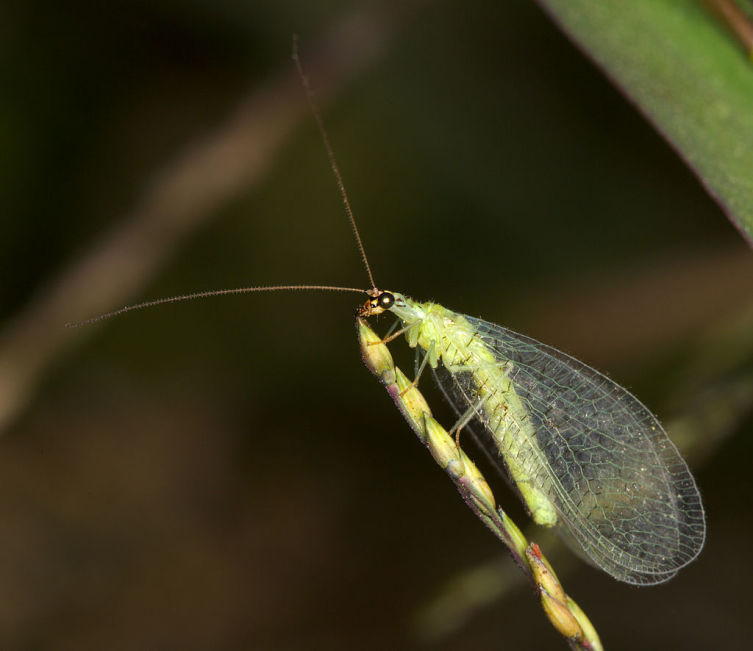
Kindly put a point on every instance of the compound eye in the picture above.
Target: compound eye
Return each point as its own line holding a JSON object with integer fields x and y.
{"x": 386, "y": 300}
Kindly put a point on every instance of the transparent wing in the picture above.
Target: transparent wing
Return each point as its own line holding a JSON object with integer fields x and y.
{"x": 604, "y": 461}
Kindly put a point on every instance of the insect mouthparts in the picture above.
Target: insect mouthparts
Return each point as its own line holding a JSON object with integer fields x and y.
{"x": 378, "y": 302}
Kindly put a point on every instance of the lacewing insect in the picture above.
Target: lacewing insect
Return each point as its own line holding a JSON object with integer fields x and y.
{"x": 582, "y": 452}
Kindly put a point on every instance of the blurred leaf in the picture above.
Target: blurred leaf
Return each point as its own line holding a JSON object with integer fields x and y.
{"x": 687, "y": 75}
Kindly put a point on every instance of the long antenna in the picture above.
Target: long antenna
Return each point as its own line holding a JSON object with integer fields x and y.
{"x": 214, "y": 292}
{"x": 331, "y": 155}
{"x": 270, "y": 288}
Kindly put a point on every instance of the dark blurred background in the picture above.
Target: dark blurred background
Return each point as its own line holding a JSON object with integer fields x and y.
{"x": 224, "y": 474}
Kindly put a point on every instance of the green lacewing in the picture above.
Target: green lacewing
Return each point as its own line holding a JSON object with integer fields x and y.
{"x": 583, "y": 453}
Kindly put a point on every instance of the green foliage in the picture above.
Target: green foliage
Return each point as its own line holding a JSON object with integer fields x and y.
{"x": 687, "y": 75}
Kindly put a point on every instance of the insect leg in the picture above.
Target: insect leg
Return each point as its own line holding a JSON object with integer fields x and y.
{"x": 464, "y": 419}
{"x": 391, "y": 337}
{"x": 420, "y": 369}
{"x": 394, "y": 325}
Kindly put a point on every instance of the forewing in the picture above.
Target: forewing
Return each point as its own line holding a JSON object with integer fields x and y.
{"x": 616, "y": 480}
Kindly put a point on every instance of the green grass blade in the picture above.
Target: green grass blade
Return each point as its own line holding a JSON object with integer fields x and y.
{"x": 690, "y": 78}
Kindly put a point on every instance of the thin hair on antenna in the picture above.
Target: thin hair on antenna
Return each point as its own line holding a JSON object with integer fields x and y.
{"x": 213, "y": 292}
{"x": 331, "y": 155}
